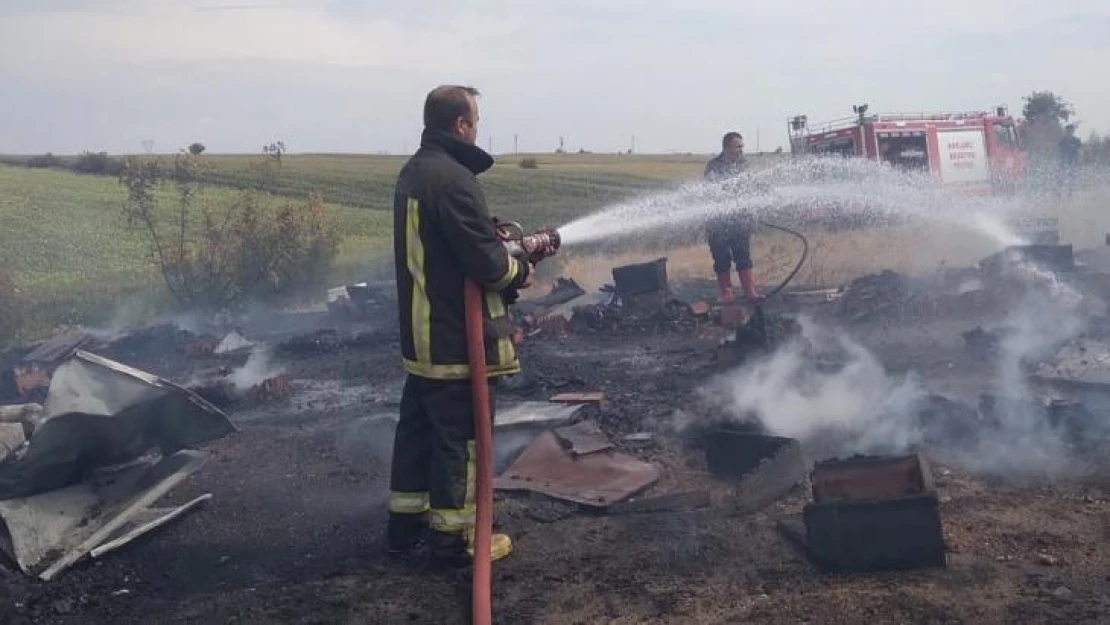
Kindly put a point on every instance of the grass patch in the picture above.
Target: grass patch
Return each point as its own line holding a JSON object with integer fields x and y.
{"x": 74, "y": 261}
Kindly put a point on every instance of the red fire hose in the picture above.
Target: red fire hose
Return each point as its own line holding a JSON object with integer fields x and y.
{"x": 481, "y": 603}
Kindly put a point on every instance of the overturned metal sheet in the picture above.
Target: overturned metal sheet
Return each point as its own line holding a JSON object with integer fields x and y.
{"x": 562, "y": 292}
{"x": 595, "y": 480}
{"x": 583, "y": 438}
{"x": 100, "y": 413}
{"x": 534, "y": 412}
{"x": 48, "y": 532}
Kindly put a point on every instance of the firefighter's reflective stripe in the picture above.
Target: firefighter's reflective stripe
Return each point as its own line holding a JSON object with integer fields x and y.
{"x": 421, "y": 307}
{"x": 507, "y": 279}
{"x": 471, "y": 476}
{"x": 505, "y": 349}
{"x": 450, "y": 520}
{"x": 457, "y": 372}
{"x": 461, "y": 519}
{"x": 408, "y": 503}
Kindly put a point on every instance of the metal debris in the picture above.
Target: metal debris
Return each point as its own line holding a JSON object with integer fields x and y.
{"x": 583, "y": 438}
{"x": 99, "y": 413}
{"x": 641, "y": 278}
{"x": 595, "y": 480}
{"x": 50, "y": 531}
{"x": 109, "y": 442}
{"x": 871, "y": 514}
{"x": 593, "y": 397}
{"x": 764, "y": 467}
{"x": 534, "y": 413}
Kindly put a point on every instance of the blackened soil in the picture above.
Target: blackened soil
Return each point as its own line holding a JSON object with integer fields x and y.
{"x": 294, "y": 531}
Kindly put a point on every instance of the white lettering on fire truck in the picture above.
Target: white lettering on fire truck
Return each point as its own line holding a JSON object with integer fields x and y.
{"x": 962, "y": 154}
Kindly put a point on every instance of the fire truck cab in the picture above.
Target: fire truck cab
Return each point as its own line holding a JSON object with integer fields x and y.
{"x": 975, "y": 151}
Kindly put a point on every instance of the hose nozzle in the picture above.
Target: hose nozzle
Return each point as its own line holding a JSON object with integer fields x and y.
{"x": 532, "y": 247}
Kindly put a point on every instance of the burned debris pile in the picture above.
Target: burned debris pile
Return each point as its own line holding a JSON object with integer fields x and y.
{"x": 80, "y": 472}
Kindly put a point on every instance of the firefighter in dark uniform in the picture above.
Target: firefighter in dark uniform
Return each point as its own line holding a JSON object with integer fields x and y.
{"x": 729, "y": 236}
{"x": 443, "y": 234}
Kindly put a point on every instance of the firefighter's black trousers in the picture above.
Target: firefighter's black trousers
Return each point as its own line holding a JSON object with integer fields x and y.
{"x": 729, "y": 241}
{"x": 433, "y": 469}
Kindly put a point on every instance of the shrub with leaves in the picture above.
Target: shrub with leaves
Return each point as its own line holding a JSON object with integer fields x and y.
{"x": 219, "y": 257}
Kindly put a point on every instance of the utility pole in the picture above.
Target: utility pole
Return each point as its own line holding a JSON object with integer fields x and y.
{"x": 633, "y": 149}
{"x": 490, "y": 140}
{"x": 757, "y": 150}
{"x": 516, "y": 144}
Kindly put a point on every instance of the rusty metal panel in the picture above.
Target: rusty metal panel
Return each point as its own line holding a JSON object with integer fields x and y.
{"x": 595, "y": 480}
{"x": 870, "y": 479}
{"x": 583, "y": 438}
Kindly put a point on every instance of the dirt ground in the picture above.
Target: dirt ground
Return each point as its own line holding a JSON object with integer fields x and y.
{"x": 294, "y": 533}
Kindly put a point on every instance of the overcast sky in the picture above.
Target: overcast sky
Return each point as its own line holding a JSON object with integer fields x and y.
{"x": 351, "y": 75}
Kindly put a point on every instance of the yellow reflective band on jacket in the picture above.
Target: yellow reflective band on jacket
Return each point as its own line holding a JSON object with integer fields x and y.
{"x": 510, "y": 274}
{"x": 421, "y": 307}
{"x": 408, "y": 503}
{"x": 505, "y": 349}
{"x": 457, "y": 372}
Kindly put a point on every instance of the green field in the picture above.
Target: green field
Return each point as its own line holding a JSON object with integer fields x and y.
{"x": 74, "y": 260}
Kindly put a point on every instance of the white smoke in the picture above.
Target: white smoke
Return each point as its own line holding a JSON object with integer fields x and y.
{"x": 1024, "y": 441}
{"x": 827, "y": 391}
{"x": 835, "y": 396}
{"x": 256, "y": 370}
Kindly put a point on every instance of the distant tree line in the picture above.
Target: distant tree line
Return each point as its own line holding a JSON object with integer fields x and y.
{"x": 1046, "y": 116}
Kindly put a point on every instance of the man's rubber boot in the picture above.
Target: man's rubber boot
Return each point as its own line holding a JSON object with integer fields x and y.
{"x": 456, "y": 550}
{"x": 724, "y": 286}
{"x": 747, "y": 281}
{"x": 405, "y": 533}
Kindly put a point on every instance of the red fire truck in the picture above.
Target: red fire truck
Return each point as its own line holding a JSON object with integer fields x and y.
{"x": 975, "y": 151}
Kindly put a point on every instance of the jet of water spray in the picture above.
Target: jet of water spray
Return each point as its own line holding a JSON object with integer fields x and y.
{"x": 799, "y": 191}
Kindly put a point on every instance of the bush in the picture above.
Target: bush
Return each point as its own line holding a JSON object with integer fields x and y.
{"x": 44, "y": 161}
{"x": 529, "y": 163}
{"x": 11, "y": 308}
{"x": 196, "y": 149}
{"x": 238, "y": 252}
{"x": 98, "y": 163}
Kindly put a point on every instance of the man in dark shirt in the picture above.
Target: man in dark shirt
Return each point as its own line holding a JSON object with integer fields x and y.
{"x": 729, "y": 235}
{"x": 1069, "y": 159}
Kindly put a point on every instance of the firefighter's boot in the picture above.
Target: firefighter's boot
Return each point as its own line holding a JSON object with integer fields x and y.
{"x": 456, "y": 549}
{"x": 724, "y": 286}
{"x": 405, "y": 533}
{"x": 747, "y": 281}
